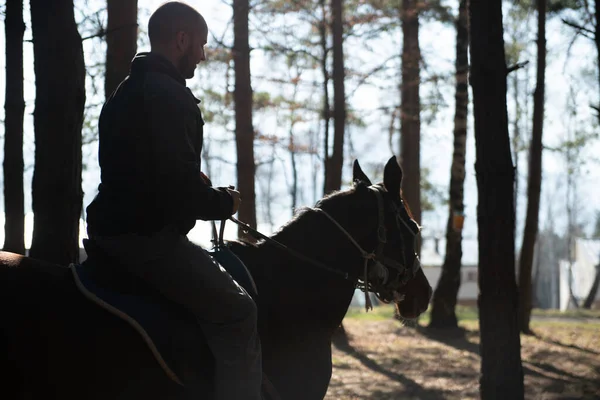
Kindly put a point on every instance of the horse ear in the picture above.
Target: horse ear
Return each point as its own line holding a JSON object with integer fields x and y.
{"x": 392, "y": 176}
{"x": 358, "y": 174}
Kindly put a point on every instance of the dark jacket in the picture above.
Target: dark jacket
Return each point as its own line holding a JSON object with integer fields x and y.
{"x": 150, "y": 143}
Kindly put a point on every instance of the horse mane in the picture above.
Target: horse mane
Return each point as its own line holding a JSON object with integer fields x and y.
{"x": 406, "y": 206}
{"x": 301, "y": 212}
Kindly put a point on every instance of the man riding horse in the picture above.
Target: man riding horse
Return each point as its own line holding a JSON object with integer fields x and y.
{"x": 152, "y": 192}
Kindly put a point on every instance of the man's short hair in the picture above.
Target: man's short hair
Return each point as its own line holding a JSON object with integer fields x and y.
{"x": 173, "y": 17}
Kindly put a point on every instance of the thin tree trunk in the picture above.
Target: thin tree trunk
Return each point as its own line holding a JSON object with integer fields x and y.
{"x": 326, "y": 106}
{"x": 292, "y": 147}
{"x": 589, "y": 300}
{"x": 501, "y": 369}
{"x": 333, "y": 177}
{"x": 243, "y": 116}
{"x": 410, "y": 127}
{"x": 516, "y": 136}
{"x": 14, "y": 108}
{"x": 443, "y": 313}
{"x": 58, "y": 118}
{"x": 597, "y": 41}
{"x": 534, "y": 184}
{"x": 121, "y": 41}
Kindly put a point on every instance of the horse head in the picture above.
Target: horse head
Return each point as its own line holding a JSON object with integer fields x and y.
{"x": 394, "y": 271}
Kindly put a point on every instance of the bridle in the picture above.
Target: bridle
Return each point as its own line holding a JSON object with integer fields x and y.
{"x": 376, "y": 264}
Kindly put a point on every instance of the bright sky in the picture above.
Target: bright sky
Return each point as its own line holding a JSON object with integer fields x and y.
{"x": 437, "y": 43}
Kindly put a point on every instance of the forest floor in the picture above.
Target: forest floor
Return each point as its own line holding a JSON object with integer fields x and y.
{"x": 383, "y": 359}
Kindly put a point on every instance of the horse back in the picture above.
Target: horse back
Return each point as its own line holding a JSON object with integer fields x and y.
{"x": 58, "y": 342}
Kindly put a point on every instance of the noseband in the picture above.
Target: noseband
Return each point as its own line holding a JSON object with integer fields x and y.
{"x": 379, "y": 264}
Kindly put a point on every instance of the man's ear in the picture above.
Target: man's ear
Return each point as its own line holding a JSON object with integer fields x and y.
{"x": 182, "y": 40}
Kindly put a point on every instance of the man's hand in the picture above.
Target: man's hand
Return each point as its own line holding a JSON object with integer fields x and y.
{"x": 235, "y": 195}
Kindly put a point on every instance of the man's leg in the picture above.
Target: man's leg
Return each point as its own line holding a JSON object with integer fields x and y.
{"x": 185, "y": 273}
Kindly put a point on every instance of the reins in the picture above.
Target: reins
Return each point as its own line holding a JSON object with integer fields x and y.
{"x": 380, "y": 262}
{"x": 257, "y": 235}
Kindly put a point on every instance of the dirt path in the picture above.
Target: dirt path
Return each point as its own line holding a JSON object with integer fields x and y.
{"x": 384, "y": 360}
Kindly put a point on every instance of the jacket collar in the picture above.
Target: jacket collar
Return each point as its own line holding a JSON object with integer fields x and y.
{"x": 145, "y": 62}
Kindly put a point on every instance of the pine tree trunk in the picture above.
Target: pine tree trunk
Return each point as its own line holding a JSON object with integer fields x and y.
{"x": 58, "y": 117}
{"x": 501, "y": 369}
{"x": 121, "y": 41}
{"x": 597, "y": 41}
{"x": 534, "y": 184}
{"x": 244, "y": 131}
{"x": 443, "y": 313}
{"x": 323, "y": 34}
{"x": 333, "y": 177}
{"x": 14, "y": 108}
{"x": 410, "y": 127}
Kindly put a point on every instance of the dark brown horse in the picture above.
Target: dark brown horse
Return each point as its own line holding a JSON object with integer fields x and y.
{"x": 54, "y": 344}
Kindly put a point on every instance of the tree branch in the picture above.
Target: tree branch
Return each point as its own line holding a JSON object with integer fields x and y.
{"x": 580, "y": 29}
{"x": 104, "y": 32}
{"x": 516, "y": 66}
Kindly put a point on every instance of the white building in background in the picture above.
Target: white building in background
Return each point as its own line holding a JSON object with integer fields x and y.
{"x": 581, "y": 272}
{"x": 432, "y": 259}
{"x": 550, "y": 270}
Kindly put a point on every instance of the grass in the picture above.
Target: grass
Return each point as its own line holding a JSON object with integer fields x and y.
{"x": 386, "y": 311}
{"x": 466, "y": 314}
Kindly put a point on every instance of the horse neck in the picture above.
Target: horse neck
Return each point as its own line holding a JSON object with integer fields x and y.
{"x": 298, "y": 290}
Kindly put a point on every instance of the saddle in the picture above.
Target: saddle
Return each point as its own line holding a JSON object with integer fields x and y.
{"x": 171, "y": 333}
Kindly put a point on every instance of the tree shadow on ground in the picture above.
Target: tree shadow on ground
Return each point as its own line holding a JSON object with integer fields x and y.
{"x": 551, "y": 378}
{"x": 457, "y": 338}
{"x": 412, "y": 388}
{"x": 565, "y": 345}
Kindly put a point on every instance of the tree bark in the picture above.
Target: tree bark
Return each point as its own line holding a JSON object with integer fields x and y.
{"x": 326, "y": 106}
{"x": 244, "y": 130}
{"x": 14, "y": 108}
{"x": 534, "y": 184}
{"x": 121, "y": 41}
{"x": 501, "y": 369}
{"x": 597, "y": 41}
{"x": 333, "y": 177}
{"x": 58, "y": 117}
{"x": 410, "y": 127}
{"x": 443, "y": 313}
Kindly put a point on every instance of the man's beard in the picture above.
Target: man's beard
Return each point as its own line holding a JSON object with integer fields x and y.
{"x": 186, "y": 66}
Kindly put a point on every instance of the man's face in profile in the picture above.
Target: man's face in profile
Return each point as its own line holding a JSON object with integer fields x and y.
{"x": 194, "y": 54}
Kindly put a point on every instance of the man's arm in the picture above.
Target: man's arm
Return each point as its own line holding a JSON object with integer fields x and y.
{"x": 177, "y": 171}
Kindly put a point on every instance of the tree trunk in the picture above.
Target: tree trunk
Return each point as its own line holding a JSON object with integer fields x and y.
{"x": 333, "y": 177}
{"x": 244, "y": 131}
{"x": 58, "y": 117}
{"x": 14, "y": 108}
{"x": 443, "y": 313}
{"x": 534, "y": 184}
{"x": 121, "y": 41}
{"x": 410, "y": 127}
{"x": 597, "y": 41}
{"x": 501, "y": 369}
{"x": 589, "y": 300}
{"x": 326, "y": 106}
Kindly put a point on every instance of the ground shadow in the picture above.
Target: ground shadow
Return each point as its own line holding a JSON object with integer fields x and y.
{"x": 342, "y": 343}
{"x": 566, "y": 346}
{"x": 456, "y": 337}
